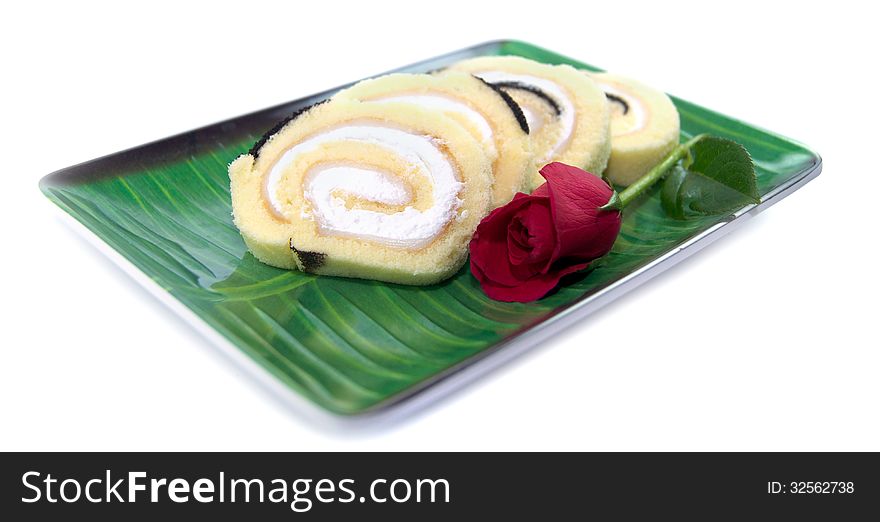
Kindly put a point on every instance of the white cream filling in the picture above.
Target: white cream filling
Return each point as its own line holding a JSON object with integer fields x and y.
{"x": 567, "y": 112}
{"x": 446, "y": 104}
{"x": 369, "y": 184}
{"x": 634, "y": 104}
{"x": 409, "y": 228}
{"x": 535, "y": 121}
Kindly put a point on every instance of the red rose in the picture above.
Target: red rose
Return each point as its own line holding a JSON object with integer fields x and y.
{"x": 520, "y": 251}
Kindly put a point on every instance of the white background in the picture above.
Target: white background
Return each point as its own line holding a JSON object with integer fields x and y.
{"x": 766, "y": 340}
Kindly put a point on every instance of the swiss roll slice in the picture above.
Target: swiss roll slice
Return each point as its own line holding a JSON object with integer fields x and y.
{"x": 644, "y": 127}
{"x": 488, "y": 113}
{"x": 390, "y": 192}
{"x": 567, "y": 113}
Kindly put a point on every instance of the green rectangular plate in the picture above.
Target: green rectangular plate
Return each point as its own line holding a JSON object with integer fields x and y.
{"x": 350, "y": 346}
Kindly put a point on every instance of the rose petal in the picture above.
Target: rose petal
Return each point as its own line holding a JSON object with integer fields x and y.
{"x": 525, "y": 291}
{"x": 488, "y": 247}
{"x": 531, "y": 225}
{"x": 518, "y": 247}
{"x": 582, "y": 230}
{"x": 538, "y": 220}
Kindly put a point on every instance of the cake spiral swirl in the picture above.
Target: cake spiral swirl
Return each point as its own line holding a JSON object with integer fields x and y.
{"x": 381, "y": 191}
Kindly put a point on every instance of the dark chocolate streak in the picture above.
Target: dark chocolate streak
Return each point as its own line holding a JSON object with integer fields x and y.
{"x": 534, "y": 90}
{"x": 514, "y": 107}
{"x": 255, "y": 150}
{"x": 310, "y": 261}
{"x": 618, "y": 99}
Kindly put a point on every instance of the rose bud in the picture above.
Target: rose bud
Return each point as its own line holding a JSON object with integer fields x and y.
{"x": 520, "y": 251}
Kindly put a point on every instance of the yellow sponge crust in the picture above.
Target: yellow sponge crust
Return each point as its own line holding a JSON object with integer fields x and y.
{"x": 512, "y": 160}
{"x": 590, "y": 144}
{"x": 635, "y": 151}
{"x": 270, "y": 236}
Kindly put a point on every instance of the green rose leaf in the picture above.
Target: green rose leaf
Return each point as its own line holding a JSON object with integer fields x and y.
{"x": 714, "y": 176}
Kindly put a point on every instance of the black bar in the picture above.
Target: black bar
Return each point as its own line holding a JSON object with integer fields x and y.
{"x": 514, "y": 486}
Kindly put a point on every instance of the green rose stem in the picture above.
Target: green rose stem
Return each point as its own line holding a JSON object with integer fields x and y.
{"x": 630, "y": 193}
